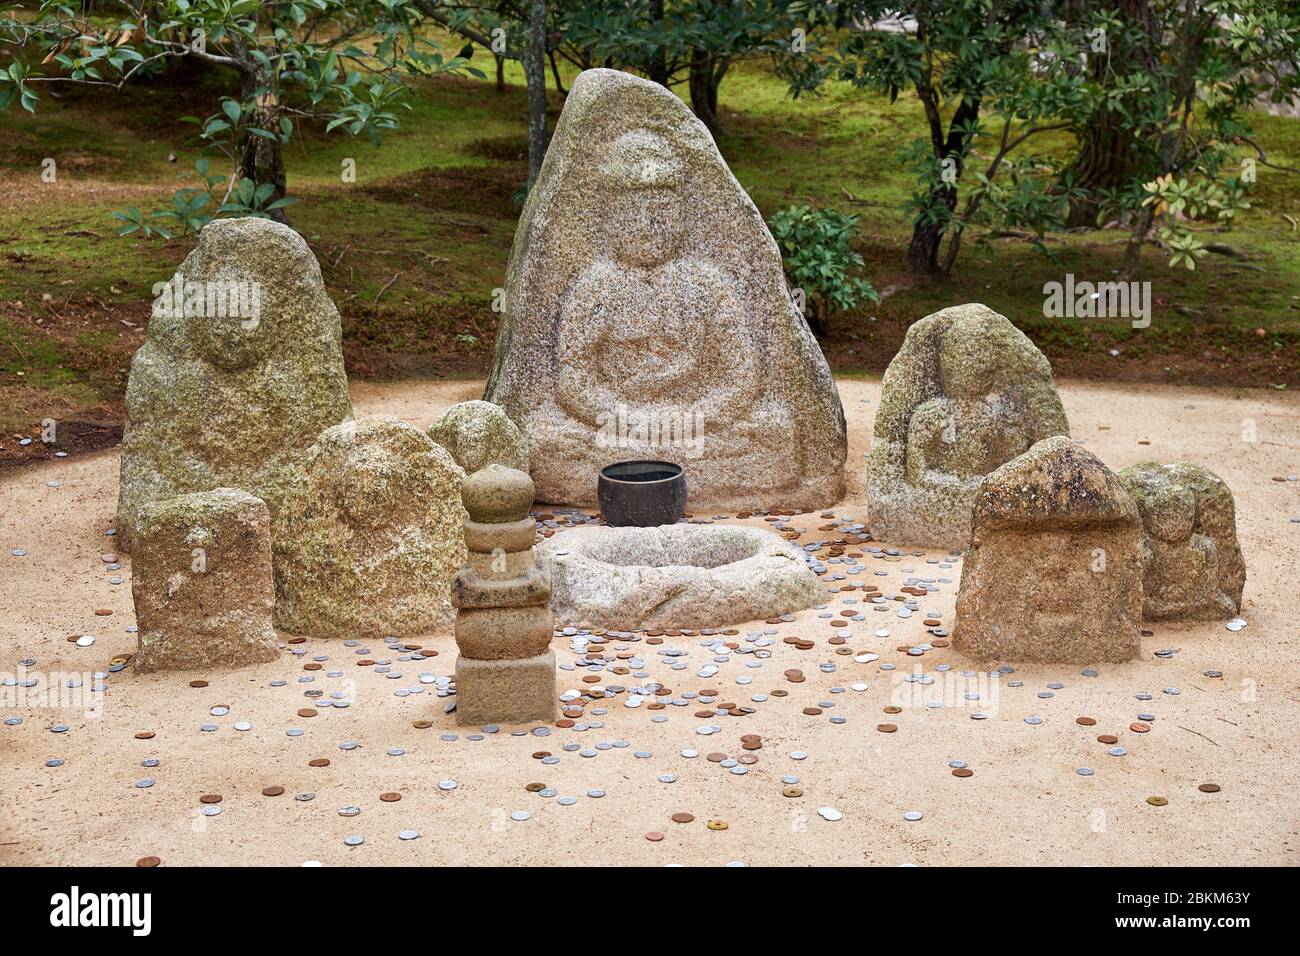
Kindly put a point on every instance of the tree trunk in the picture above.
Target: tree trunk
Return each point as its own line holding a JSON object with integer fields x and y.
{"x": 923, "y": 250}
{"x": 501, "y": 73}
{"x": 535, "y": 70}
{"x": 657, "y": 68}
{"x": 555, "y": 74}
{"x": 705, "y": 77}
{"x": 260, "y": 159}
{"x": 1108, "y": 156}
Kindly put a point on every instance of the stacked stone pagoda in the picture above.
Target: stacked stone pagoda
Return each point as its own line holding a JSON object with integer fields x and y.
{"x": 506, "y": 669}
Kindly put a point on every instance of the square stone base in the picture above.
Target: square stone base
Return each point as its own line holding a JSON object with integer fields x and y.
{"x": 506, "y": 692}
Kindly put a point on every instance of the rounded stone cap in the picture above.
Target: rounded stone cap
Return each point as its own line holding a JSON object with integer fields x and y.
{"x": 497, "y": 494}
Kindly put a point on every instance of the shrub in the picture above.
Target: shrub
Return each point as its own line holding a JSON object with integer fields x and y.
{"x": 820, "y": 262}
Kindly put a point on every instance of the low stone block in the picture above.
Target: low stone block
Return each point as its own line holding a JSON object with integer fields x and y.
{"x": 1054, "y": 568}
{"x": 508, "y": 536}
{"x": 504, "y": 632}
{"x": 502, "y": 565}
{"x": 478, "y": 434}
{"x": 506, "y": 691}
{"x": 201, "y": 580}
{"x": 469, "y": 590}
{"x": 1195, "y": 570}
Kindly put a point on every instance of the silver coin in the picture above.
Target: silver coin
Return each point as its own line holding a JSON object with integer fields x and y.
{"x": 354, "y": 840}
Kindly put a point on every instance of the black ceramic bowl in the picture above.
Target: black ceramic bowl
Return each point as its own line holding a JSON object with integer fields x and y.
{"x": 641, "y": 494}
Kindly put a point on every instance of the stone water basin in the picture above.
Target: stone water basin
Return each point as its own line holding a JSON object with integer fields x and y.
{"x": 675, "y": 576}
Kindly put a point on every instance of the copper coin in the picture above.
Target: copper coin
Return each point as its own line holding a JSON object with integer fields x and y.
{"x": 428, "y": 652}
{"x": 812, "y": 711}
{"x": 1139, "y": 728}
{"x": 654, "y": 836}
{"x": 535, "y": 787}
{"x": 541, "y": 754}
{"x": 198, "y": 683}
{"x": 564, "y": 722}
{"x": 366, "y": 663}
{"x": 778, "y": 693}
{"x": 148, "y": 861}
{"x": 836, "y": 640}
{"x": 422, "y": 724}
{"x": 1107, "y": 739}
{"x": 296, "y": 640}
{"x": 716, "y": 757}
{"x": 144, "y": 735}
{"x": 931, "y": 622}
{"x": 804, "y": 646}
{"x": 886, "y": 728}
{"x": 306, "y": 712}
{"x": 750, "y": 738}
{"x": 210, "y": 798}
{"x": 799, "y": 679}
{"x": 311, "y": 667}
{"x": 1209, "y": 788}
{"x": 751, "y": 745}
{"x": 318, "y": 762}
{"x": 591, "y": 679}
{"x": 272, "y": 791}
{"x": 1084, "y": 721}
{"x": 704, "y": 713}
{"x": 683, "y": 817}
{"x": 939, "y": 642}
{"x": 747, "y": 759}
{"x": 390, "y": 797}
{"x": 963, "y": 772}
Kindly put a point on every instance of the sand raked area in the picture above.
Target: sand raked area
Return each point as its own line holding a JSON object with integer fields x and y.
{"x": 134, "y": 773}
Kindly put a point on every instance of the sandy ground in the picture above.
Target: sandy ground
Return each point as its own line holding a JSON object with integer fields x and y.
{"x": 1025, "y": 804}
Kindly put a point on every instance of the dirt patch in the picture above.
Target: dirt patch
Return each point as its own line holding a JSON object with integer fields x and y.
{"x": 71, "y": 437}
{"x": 477, "y": 190}
{"x": 502, "y": 149}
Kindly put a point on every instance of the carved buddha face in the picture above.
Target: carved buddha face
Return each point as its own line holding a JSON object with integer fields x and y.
{"x": 646, "y": 220}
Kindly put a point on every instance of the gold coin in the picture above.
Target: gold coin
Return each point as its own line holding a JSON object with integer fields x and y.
{"x": 717, "y": 824}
